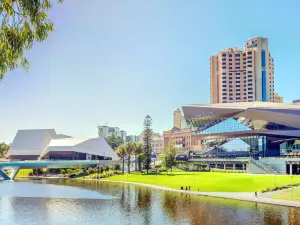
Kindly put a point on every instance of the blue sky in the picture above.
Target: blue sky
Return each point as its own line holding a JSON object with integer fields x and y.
{"x": 116, "y": 61}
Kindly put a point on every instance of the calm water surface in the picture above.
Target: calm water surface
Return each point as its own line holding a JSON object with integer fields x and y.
{"x": 85, "y": 202}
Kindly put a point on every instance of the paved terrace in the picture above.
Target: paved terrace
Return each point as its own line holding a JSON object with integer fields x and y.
{"x": 17, "y": 165}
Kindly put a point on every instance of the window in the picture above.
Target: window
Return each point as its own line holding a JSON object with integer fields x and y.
{"x": 249, "y": 71}
{"x": 244, "y": 59}
{"x": 237, "y": 74}
{"x": 223, "y": 67}
{"x": 244, "y": 54}
{"x": 230, "y": 78}
{"x": 224, "y": 85}
{"x": 250, "y": 96}
{"x": 230, "y": 82}
{"x": 224, "y": 89}
{"x": 249, "y": 61}
{"x": 249, "y": 65}
{"x": 245, "y": 97}
{"x": 238, "y": 67}
{"x": 230, "y": 94}
{"x": 224, "y": 73}
{"x": 249, "y": 80}
{"x": 245, "y": 90}
{"x": 237, "y": 78}
{"x": 224, "y": 54}
{"x": 238, "y": 94}
{"x": 230, "y": 68}
{"x": 249, "y": 76}
{"x": 230, "y": 60}
{"x": 249, "y": 57}
{"x": 230, "y": 74}
{"x": 250, "y": 92}
{"x": 224, "y": 81}
{"x": 238, "y": 59}
{"x": 238, "y": 89}
{"x": 230, "y": 98}
{"x": 224, "y": 101}
{"x": 230, "y": 86}
{"x": 250, "y": 89}
{"x": 224, "y": 94}
{"x": 224, "y": 63}
{"x": 237, "y": 81}
{"x": 237, "y": 85}
{"x": 249, "y": 53}
{"x": 230, "y": 90}
{"x": 223, "y": 59}
{"x": 230, "y": 55}
{"x": 230, "y": 64}
{"x": 224, "y": 78}
{"x": 250, "y": 85}
{"x": 238, "y": 98}
{"x": 237, "y": 55}
{"x": 224, "y": 98}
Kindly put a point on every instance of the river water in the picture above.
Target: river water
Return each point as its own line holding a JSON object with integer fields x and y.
{"x": 73, "y": 202}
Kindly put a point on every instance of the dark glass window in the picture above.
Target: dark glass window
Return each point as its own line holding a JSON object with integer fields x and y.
{"x": 249, "y": 53}
{"x": 224, "y": 98}
{"x": 249, "y": 80}
{"x": 237, "y": 74}
{"x": 230, "y": 68}
{"x": 224, "y": 54}
{"x": 238, "y": 67}
{"x": 230, "y": 55}
{"x": 249, "y": 89}
{"x": 250, "y": 92}
{"x": 237, "y": 55}
{"x": 230, "y": 74}
{"x": 224, "y": 63}
{"x": 223, "y": 67}
{"x": 224, "y": 85}
{"x": 223, "y": 59}
{"x": 237, "y": 81}
{"x": 249, "y": 65}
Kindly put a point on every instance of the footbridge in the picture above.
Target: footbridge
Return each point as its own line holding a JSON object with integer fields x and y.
{"x": 15, "y": 166}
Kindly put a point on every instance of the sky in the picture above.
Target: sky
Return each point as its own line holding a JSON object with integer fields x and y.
{"x": 116, "y": 61}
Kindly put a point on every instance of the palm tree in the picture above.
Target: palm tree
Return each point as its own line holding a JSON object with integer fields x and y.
{"x": 121, "y": 151}
{"x": 130, "y": 146}
{"x": 137, "y": 150}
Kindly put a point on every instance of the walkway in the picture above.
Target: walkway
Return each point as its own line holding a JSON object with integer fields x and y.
{"x": 241, "y": 196}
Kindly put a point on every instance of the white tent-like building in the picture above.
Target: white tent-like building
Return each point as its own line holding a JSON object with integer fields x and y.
{"x": 47, "y": 144}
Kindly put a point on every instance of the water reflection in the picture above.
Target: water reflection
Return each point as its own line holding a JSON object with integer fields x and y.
{"x": 130, "y": 204}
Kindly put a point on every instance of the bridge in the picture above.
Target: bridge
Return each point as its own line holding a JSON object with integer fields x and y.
{"x": 15, "y": 166}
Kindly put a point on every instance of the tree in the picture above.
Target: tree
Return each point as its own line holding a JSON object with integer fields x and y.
{"x": 121, "y": 151}
{"x": 114, "y": 141}
{"x": 147, "y": 142}
{"x": 138, "y": 149}
{"x": 130, "y": 147}
{"x": 24, "y": 22}
{"x": 3, "y": 149}
{"x": 169, "y": 157}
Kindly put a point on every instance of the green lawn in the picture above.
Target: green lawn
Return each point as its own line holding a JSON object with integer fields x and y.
{"x": 24, "y": 172}
{"x": 210, "y": 181}
{"x": 289, "y": 195}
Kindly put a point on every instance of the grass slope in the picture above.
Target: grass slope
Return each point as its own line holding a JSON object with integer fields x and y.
{"x": 289, "y": 195}
{"x": 210, "y": 181}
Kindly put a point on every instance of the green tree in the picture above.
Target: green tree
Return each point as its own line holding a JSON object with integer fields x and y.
{"x": 169, "y": 157}
{"x": 114, "y": 141}
{"x": 121, "y": 151}
{"x": 138, "y": 149}
{"x": 23, "y": 22}
{"x": 3, "y": 149}
{"x": 130, "y": 148}
{"x": 147, "y": 142}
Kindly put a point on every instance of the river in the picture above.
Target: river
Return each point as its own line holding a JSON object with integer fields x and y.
{"x": 64, "y": 202}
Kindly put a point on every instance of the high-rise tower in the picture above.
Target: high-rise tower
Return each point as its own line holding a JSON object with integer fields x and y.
{"x": 243, "y": 75}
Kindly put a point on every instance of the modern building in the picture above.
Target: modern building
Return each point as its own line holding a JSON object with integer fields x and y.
{"x": 296, "y": 101}
{"x": 123, "y": 135}
{"x": 238, "y": 129}
{"x": 157, "y": 142}
{"x": 104, "y": 131}
{"x": 47, "y": 144}
{"x": 243, "y": 75}
{"x": 179, "y": 120}
{"x": 133, "y": 138}
{"x": 277, "y": 98}
{"x": 177, "y": 116}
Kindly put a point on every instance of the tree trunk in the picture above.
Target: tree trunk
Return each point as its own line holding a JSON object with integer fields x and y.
{"x": 123, "y": 165}
{"x": 128, "y": 164}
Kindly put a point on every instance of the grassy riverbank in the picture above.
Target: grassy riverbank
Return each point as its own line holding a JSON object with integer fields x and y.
{"x": 292, "y": 194}
{"x": 210, "y": 181}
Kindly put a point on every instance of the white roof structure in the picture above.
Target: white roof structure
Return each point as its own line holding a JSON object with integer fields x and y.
{"x": 285, "y": 114}
{"x": 39, "y": 142}
{"x": 94, "y": 146}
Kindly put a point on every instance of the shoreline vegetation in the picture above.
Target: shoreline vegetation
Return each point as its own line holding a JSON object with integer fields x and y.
{"x": 237, "y": 186}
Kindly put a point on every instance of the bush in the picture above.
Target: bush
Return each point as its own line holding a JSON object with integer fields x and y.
{"x": 227, "y": 171}
{"x": 90, "y": 170}
{"x": 117, "y": 167}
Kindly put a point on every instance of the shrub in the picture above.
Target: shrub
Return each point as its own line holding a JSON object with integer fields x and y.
{"x": 90, "y": 170}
